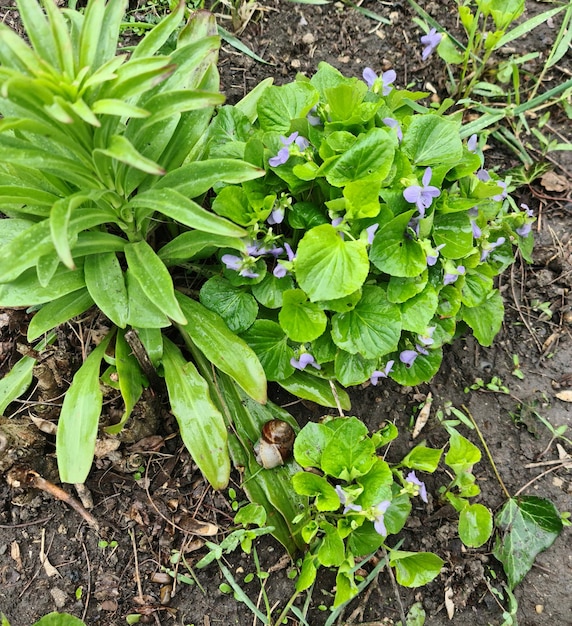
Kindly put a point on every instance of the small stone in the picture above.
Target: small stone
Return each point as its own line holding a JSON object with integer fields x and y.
{"x": 539, "y": 608}
{"x": 59, "y": 596}
{"x": 308, "y": 39}
{"x": 295, "y": 63}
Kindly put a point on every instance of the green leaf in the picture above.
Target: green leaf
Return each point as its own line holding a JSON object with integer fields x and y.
{"x": 350, "y": 453}
{"x": 195, "y": 178}
{"x": 462, "y": 454}
{"x": 310, "y": 443}
{"x": 236, "y": 307}
{"x": 307, "y": 573}
{"x": 106, "y": 285}
{"x": 301, "y": 320}
{"x": 372, "y": 328}
{"x": 527, "y": 526}
{"x": 365, "y": 539}
{"x": 371, "y": 156}
{"x": 175, "y": 205}
{"x": 475, "y": 525}
{"x": 308, "y": 484}
{"x": 251, "y": 514}
{"x": 271, "y": 290}
{"x": 142, "y": 312}
{"x": 154, "y": 279}
{"x": 223, "y": 348}
{"x": 415, "y": 569}
{"x": 486, "y": 319}
{"x": 122, "y": 150}
{"x": 397, "y": 514}
{"x": 455, "y": 231}
{"x": 202, "y": 426}
{"x": 196, "y": 245}
{"x": 376, "y": 484}
{"x": 270, "y": 344}
{"x": 328, "y": 267}
{"x": 419, "y": 310}
{"x": 79, "y": 418}
{"x": 401, "y": 289}
{"x": 28, "y": 291}
{"x": 423, "y": 458}
{"x": 432, "y": 140}
{"x": 278, "y": 106}
{"x": 316, "y": 390}
{"x": 331, "y": 550}
{"x": 396, "y": 253}
{"x": 59, "y": 311}
{"x": 130, "y": 380}
{"x": 353, "y": 369}
{"x": 16, "y": 381}
{"x": 59, "y": 619}
{"x": 422, "y": 370}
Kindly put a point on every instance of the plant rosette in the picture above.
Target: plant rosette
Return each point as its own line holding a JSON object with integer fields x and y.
{"x": 375, "y": 232}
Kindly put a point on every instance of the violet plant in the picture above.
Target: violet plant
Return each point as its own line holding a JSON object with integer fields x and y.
{"x": 375, "y": 235}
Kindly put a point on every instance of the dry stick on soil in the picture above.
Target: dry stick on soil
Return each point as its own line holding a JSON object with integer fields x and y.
{"x": 565, "y": 465}
{"x": 137, "y": 575}
{"x": 488, "y": 452}
{"x": 88, "y": 595}
{"x": 132, "y": 338}
{"x": 22, "y": 477}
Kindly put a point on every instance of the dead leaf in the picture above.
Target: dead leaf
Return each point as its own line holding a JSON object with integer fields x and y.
{"x": 423, "y": 416}
{"x": 554, "y": 182}
{"x": 190, "y": 524}
{"x": 44, "y": 425}
{"x": 15, "y": 554}
{"x": 565, "y": 396}
{"x": 449, "y": 604}
{"x": 48, "y": 567}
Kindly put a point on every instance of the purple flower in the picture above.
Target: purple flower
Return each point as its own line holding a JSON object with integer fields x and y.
{"x": 277, "y": 216}
{"x": 370, "y": 230}
{"x": 524, "y": 230}
{"x": 422, "y": 196}
{"x": 472, "y": 143}
{"x": 451, "y": 277}
{"x": 408, "y": 357}
{"x": 501, "y": 196}
{"x": 281, "y": 270}
{"x": 483, "y": 175}
{"x": 476, "y": 230}
{"x": 383, "y": 373}
{"x": 422, "y": 491}
{"x": 393, "y": 123}
{"x": 305, "y": 359}
{"x": 431, "y": 40}
{"x": 488, "y": 247}
{"x": 529, "y": 211}
{"x": 379, "y": 511}
{"x": 313, "y": 119}
{"x": 432, "y": 258}
{"x": 343, "y": 500}
{"x": 384, "y": 81}
{"x": 427, "y": 338}
{"x": 240, "y": 264}
{"x": 284, "y": 153}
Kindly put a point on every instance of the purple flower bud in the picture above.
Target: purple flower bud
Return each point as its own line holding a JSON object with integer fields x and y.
{"x": 281, "y": 158}
{"x": 369, "y": 76}
{"x": 476, "y": 230}
{"x": 432, "y": 258}
{"x": 483, "y": 175}
{"x": 393, "y": 123}
{"x": 524, "y": 230}
{"x": 289, "y": 252}
{"x": 343, "y": 500}
{"x": 302, "y": 143}
{"x": 431, "y": 40}
{"x": 422, "y": 491}
{"x": 450, "y": 278}
{"x": 504, "y": 193}
{"x": 277, "y": 216}
{"x": 421, "y": 350}
{"x": 529, "y": 211}
{"x": 489, "y": 247}
{"x": 305, "y": 359}
{"x": 379, "y": 511}
{"x": 280, "y": 271}
{"x": 370, "y": 230}
{"x": 408, "y": 357}
{"x": 472, "y": 143}
{"x": 383, "y": 373}
{"x": 232, "y": 261}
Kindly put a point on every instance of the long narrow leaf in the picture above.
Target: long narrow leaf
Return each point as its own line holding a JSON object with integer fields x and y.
{"x": 175, "y": 205}
{"x": 228, "y": 352}
{"x": 240, "y": 46}
{"x": 167, "y": 104}
{"x": 90, "y": 34}
{"x": 28, "y": 290}
{"x": 155, "y": 38}
{"x": 202, "y": 426}
{"x": 59, "y": 311}
{"x": 121, "y": 149}
{"x": 15, "y": 383}
{"x": 154, "y": 279}
{"x": 110, "y": 28}
{"x": 526, "y": 27}
{"x": 62, "y": 39}
{"x": 38, "y": 30}
{"x": 79, "y": 418}
{"x": 106, "y": 284}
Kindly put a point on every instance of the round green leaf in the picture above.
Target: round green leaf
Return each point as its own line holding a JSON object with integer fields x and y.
{"x": 270, "y": 344}
{"x": 353, "y": 369}
{"x": 328, "y": 267}
{"x": 372, "y": 328}
{"x": 415, "y": 569}
{"x": 485, "y": 319}
{"x": 350, "y": 453}
{"x": 475, "y": 525}
{"x": 301, "y": 320}
{"x": 422, "y": 370}
{"x": 418, "y": 311}
{"x": 309, "y": 484}
{"x": 432, "y": 140}
{"x": 270, "y": 291}
{"x": 455, "y": 231}
{"x": 236, "y": 307}
{"x": 309, "y": 444}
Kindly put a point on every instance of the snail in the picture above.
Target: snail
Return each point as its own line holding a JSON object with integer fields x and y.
{"x": 275, "y": 444}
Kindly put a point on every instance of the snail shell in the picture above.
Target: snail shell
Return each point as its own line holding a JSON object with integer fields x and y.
{"x": 275, "y": 444}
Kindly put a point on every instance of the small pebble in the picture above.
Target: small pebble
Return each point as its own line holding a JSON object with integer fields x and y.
{"x": 59, "y": 596}
{"x": 539, "y": 608}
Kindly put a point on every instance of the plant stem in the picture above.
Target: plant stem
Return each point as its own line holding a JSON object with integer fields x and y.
{"x": 489, "y": 455}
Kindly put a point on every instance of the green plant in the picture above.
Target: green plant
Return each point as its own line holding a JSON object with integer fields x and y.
{"x": 344, "y": 470}
{"x": 52, "y": 619}
{"x": 374, "y": 232}
{"x": 100, "y": 160}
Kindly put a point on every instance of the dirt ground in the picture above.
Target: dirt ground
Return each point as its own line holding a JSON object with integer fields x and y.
{"x": 148, "y": 492}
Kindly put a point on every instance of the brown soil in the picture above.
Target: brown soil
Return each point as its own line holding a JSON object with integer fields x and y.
{"x": 148, "y": 513}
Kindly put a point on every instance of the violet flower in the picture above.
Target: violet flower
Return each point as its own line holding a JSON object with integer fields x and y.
{"x": 476, "y": 230}
{"x": 240, "y": 264}
{"x": 379, "y": 511}
{"x": 451, "y": 277}
{"x": 501, "y": 196}
{"x": 427, "y": 338}
{"x": 384, "y": 81}
{"x": 423, "y": 196}
{"x": 393, "y": 123}
{"x": 343, "y": 500}
{"x": 277, "y": 216}
{"x": 483, "y": 175}
{"x": 281, "y": 270}
{"x": 431, "y": 40}
{"x": 432, "y": 258}
{"x": 472, "y": 143}
{"x": 370, "y": 230}
{"x": 422, "y": 490}
{"x": 488, "y": 247}
{"x": 382, "y": 374}
{"x": 524, "y": 230}
{"x": 284, "y": 153}
{"x": 407, "y": 357}
{"x": 305, "y": 359}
